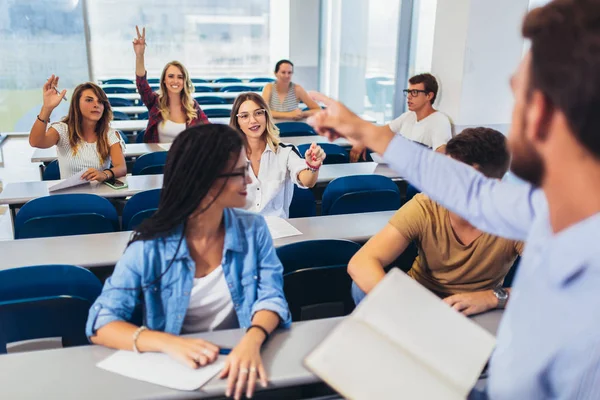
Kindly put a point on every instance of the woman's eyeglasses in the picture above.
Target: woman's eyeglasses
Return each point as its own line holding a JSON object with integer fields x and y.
{"x": 244, "y": 174}
{"x": 258, "y": 114}
{"x": 413, "y": 92}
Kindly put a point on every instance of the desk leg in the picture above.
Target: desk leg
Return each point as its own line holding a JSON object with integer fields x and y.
{"x": 42, "y": 168}
{"x": 13, "y": 215}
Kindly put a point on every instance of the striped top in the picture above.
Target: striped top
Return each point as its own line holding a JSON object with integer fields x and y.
{"x": 87, "y": 155}
{"x": 290, "y": 103}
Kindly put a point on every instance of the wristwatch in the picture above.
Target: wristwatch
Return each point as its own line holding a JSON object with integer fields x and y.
{"x": 502, "y": 296}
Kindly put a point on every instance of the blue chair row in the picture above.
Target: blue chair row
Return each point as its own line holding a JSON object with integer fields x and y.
{"x": 336, "y": 154}
{"x": 120, "y": 81}
{"x": 287, "y": 129}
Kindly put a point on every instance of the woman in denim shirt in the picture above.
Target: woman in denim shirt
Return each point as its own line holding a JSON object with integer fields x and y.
{"x": 198, "y": 264}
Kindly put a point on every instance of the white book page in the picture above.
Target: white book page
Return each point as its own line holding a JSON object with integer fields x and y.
{"x": 74, "y": 180}
{"x": 361, "y": 364}
{"x": 421, "y": 324}
{"x": 160, "y": 369}
{"x": 280, "y": 228}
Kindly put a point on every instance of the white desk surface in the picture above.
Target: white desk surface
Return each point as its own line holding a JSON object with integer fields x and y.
{"x": 72, "y": 373}
{"x": 143, "y": 109}
{"x": 139, "y": 124}
{"x": 212, "y": 85}
{"x": 138, "y": 149}
{"x": 331, "y": 172}
{"x": 105, "y": 249}
{"x": 136, "y": 96}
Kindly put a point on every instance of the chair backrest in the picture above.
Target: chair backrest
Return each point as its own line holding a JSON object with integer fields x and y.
{"x": 149, "y": 162}
{"x": 51, "y": 172}
{"x": 287, "y": 129}
{"x": 227, "y": 80}
{"x": 120, "y": 116}
{"x": 46, "y": 301}
{"x": 217, "y": 112}
{"x": 118, "y": 89}
{"x": 238, "y": 88}
{"x": 510, "y": 277}
{"x": 139, "y": 137}
{"x": 117, "y": 81}
{"x": 379, "y": 193}
{"x": 316, "y": 253}
{"x": 65, "y": 215}
{"x": 411, "y": 191}
{"x": 143, "y": 115}
{"x": 198, "y": 80}
{"x": 119, "y": 102}
{"x": 138, "y": 203}
{"x": 123, "y": 136}
{"x": 203, "y": 89}
{"x": 303, "y": 203}
{"x": 210, "y": 100}
{"x": 262, "y": 80}
{"x": 154, "y": 80}
{"x": 336, "y": 154}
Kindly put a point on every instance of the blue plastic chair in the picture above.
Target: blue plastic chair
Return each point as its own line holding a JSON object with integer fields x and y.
{"x": 118, "y": 89}
{"x": 65, "y": 215}
{"x": 315, "y": 281}
{"x": 228, "y": 80}
{"x": 143, "y": 115}
{"x": 119, "y": 102}
{"x": 203, "y": 89}
{"x": 303, "y": 203}
{"x": 154, "y": 80}
{"x": 266, "y": 80}
{"x": 120, "y": 116}
{"x": 150, "y": 164}
{"x": 217, "y": 112}
{"x": 237, "y": 88}
{"x": 198, "y": 80}
{"x": 51, "y": 172}
{"x": 336, "y": 154}
{"x": 287, "y": 129}
{"x": 123, "y": 136}
{"x": 46, "y": 301}
{"x": 411, "y": 191}
{"x": 360, "y": 193}
{"x": 139, "y": 207}
{"x": 510, "y": 277}
{"x": 205, "y": 100}
{"x": 139, "y": 137}
{"x": 117, "y": 81}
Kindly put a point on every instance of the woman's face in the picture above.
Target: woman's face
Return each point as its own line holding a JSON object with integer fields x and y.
{"x": 174, "y": 80}
{"x": 233, "y": 194}
{"x": 90, "y": 106}
{"x": 252, "y": 119}
{"x": 285, "y": 72}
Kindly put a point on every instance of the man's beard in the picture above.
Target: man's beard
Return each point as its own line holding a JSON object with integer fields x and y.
{"x": 526, "y": 162}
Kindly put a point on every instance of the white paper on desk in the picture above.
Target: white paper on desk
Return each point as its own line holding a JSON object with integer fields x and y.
{"x": 74, "y": 180}
{"x": 160, "y": 369}
{"x": 280, "y": 228}
{"x": 404, "y": 342}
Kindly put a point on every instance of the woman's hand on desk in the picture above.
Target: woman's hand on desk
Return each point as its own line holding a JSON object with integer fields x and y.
{"x": 93, "y": 174}
{"x": 244, "y": 367}
{"x": 192, "y": 352}
{"x": 472, "y": 303}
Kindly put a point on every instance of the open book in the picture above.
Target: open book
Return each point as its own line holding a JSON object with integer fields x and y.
{"x": 402, "y": 342}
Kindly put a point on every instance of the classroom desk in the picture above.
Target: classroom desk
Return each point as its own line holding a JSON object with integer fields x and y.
{"x": 328, "y": 173}
{"x": 139, "y": 124}
{"x": 214, "y": 86}
{"x": 143, "y": 109}
{"x": 72, "y": 373}
{"x": 105, "y": 249}
{"x": 223, "y": 95}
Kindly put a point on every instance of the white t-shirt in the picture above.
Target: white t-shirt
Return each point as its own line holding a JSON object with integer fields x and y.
{"x": 168, "y": 130}
{"x": 211, "y": 307}
{"x": 87, "y": 154}
{"x": 270, "y": 194}
{"x": 432, "y": 131}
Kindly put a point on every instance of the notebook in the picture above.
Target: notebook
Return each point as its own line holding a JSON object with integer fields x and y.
{"x": 402, "y": 342}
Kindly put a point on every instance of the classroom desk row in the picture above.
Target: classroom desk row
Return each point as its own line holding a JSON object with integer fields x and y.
{"x": 136, "y": 125}
{"x": 136, "y": 96}
{"x": 139, "y": 149}
{"x": 142, "y": 109}
{"x": 214, "y": 86}
{"x": 105, "y": 249}
{"x": 72, "y": 373}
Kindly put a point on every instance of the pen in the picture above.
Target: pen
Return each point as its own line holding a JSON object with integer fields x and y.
{"x": 58, "y": 92}
{"x": 224, "y": 351}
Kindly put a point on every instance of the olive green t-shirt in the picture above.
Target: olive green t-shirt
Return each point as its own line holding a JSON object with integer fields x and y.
{"x": 444, "y": 265}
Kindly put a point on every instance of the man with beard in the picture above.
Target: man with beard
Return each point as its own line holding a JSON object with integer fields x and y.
{"x": 548, "y": 344}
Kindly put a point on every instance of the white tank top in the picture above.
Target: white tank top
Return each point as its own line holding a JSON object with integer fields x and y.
{"x": 168, "y": 130}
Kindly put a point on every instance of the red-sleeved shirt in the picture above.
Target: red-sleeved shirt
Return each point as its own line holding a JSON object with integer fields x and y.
{"x": 150, "y": 100}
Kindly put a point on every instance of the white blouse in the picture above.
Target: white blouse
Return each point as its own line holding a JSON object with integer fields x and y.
{"x": 211, "y": 306}
{"x": 270, "y": 194}
{"x": 86, "y": 156}
{"x": 169, "y": 130}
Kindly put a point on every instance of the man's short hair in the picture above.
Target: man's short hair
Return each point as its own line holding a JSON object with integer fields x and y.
{"x": 485, "y": 147}
{"x": 430, "y": 83}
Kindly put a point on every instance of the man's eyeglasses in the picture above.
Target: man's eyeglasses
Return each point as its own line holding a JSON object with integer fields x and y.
{"x": 244, "y": 174}
{"x": 258, "y": 114}
{"x": 413, "y": 92}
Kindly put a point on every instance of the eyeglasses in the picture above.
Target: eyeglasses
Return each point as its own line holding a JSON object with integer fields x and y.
{"x": 413, "y": 92}
{"x": 244, "y": 174}
{"x": 258, "y": 114}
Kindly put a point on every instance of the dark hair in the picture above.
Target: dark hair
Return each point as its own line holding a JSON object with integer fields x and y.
{"x": 565, "y": 63}
{"x": 482, "y": 146}
{"x": 429, "y": 81}
{"x": 282, "y": 62}
{"x": 196, "y": 158}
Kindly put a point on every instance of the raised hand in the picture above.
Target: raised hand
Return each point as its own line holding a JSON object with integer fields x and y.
{"x": 315, "y": 156}
{"x": 139, "y": 43}
{"x": 51, "y": 98}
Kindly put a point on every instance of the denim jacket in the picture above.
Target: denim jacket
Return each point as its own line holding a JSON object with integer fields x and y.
{"x": 252, "y": 270}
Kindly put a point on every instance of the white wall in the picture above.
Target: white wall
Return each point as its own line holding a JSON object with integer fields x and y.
{"x": 304, "y": 42}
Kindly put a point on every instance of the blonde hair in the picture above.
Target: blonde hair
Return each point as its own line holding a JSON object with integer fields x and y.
{"x": 186, "y": 94}
{"x": 271, "y": 133}
{"x": 74, "y": 121}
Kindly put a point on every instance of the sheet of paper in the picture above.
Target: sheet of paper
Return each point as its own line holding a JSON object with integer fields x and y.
{"x": 280, "y": 228}
{"x": 160, "y": 369}
{"x": 74, "y": 180}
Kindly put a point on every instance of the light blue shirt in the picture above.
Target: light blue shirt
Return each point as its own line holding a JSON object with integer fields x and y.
{"x": 252, "y": 270}
{"x": 548, "y": 343}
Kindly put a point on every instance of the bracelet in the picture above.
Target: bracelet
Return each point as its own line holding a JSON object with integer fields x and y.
{"x": 106, "y": 175}
{"x": 41, "y": 120}
{"x": 311, "y": 168}
{"x": 261, "y": 328}
{"x": 136, "y": 335}
{"x": 111, "y": 172}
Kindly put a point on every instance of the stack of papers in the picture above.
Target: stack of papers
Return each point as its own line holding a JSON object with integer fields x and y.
{"x": 74, "y": 180}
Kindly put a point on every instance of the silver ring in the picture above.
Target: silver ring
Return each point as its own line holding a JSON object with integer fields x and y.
{"x": 243, "y": 371}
